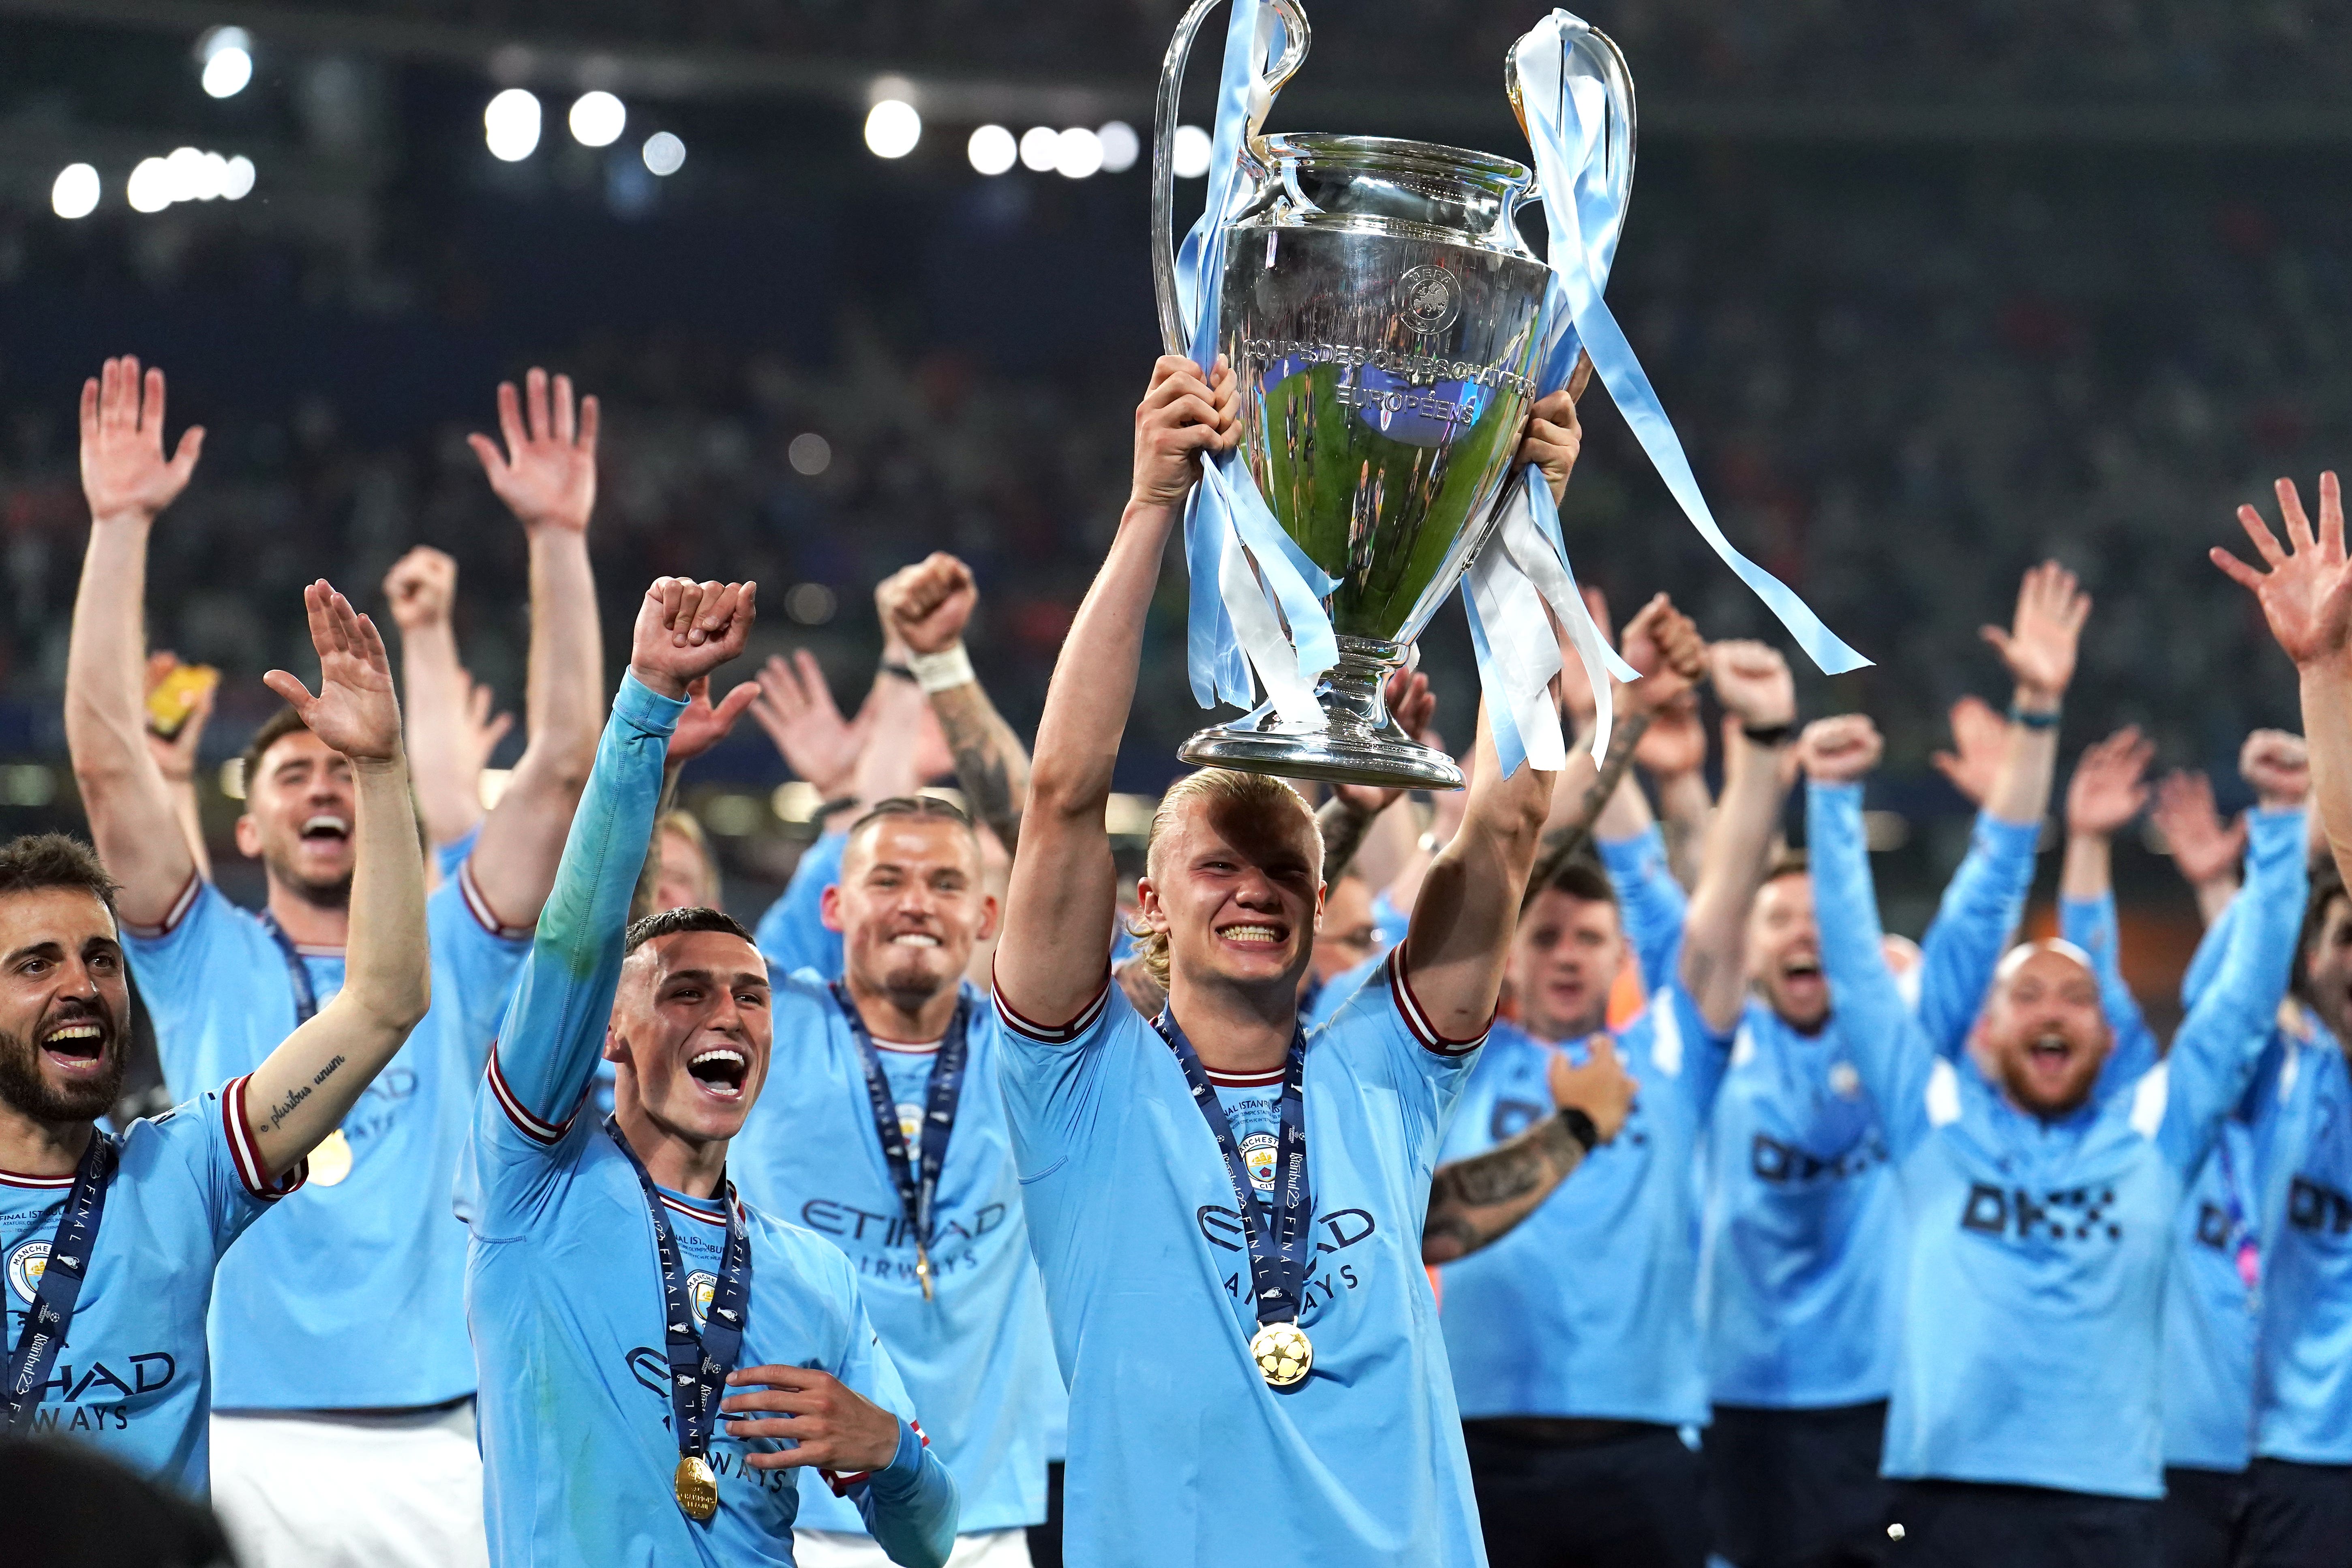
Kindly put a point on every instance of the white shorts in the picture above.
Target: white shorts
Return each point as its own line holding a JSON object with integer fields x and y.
{"x": 846, "y": 1549}
{"x": 332, "y": 1489}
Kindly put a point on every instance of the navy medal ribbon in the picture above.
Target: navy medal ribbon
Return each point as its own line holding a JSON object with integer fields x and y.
{"x": 61, "y": 1282}
{"x": 917, "y": 1181}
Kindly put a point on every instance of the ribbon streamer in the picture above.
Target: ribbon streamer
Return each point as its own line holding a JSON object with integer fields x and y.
{"x": 1265, "y": 612}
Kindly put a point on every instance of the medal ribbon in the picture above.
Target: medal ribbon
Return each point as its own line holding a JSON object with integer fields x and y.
{"x": 916, "y": 1192}
{"x": 2243, "y": 1250}
{"x": 306, "y": 999}
{"x": 61, "y": 1280}
{"x": 1277, "y": 1267}
{"x": 698, "y": 1363}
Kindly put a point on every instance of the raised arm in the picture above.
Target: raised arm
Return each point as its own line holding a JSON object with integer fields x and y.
{"x": 1673, "y": 752}
{"x": 127, "y": 480}
{"x": 451, "y": 730}
{"x": 176, "y": 753}
{"x": 2205, "y": 850}
{"x": 1050, "y": 961}
{"x": 2107, "y": 791}
{"x": 2306, "y": 593}
{"x": 1474, "y": 1203}
{"x": 304, "y": 1089}
{"x": 1346, "y": 822}
{"x": 928, "y": 606}
{"x": 1753, "y": 683}
{"x": 547, "y": 477}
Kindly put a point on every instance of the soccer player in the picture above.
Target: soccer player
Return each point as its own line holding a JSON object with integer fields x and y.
{"x": 2025, "y": 1425}
{"x": 110, "y": 1244}
{"x": 1799, "y": 1203}
{"x": 342, "y": 1373}
{"x": 1211, "y": 1190}
{"x": 451, "y": 728}
{"x": 656, "y": 1355}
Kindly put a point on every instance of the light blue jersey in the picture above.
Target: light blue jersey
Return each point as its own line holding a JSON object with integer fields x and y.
{"x": 563, "y": 1288}
{"x": 133, "y": 1377}
{"x": 1802, "y": 1214}
{"x": 1589, "y": 1306}
{"x": 2036, "y": 1251}
{"x": 353, "y": 1297}
{"x": 1180, "y": 1454}
{"x": 792, "y": 932}
{"x": 2303, "y": 1381}
{"x": 978, "y": 1358}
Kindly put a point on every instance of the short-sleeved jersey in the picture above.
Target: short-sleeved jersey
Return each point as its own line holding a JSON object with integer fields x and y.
{"x": 133, "y": 1376}
{"x": 2303, "y": 1383}
{"x": 1179, "y": 1451}
{"x": 563, "y": 1287}
{"x": 977, "y": 1358}
{"x": 793, "y": 933}
{"x": 353, "y": 1297}
{"x": 2037, "y": 1248}
{"x": 1589, "y": 1306}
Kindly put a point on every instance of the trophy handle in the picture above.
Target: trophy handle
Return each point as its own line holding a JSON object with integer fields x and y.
{"x": 1619, "y": 130}
{"x": 1172, "y": 330}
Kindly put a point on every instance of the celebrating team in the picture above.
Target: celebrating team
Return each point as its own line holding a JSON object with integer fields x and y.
{"x": 846, "y": 1239}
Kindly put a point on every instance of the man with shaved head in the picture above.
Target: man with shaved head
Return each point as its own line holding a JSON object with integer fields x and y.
{"x": 2025, "y": 1427}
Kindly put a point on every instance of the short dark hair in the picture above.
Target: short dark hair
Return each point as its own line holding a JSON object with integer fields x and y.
{"x": 1582, "y": 877}
{"x": 274, "y": 729}
{"x": 918, "y": 806}
{"x": 2327, "y": 887}
{"x": 41, "y": 860}
{"x": 671, "y": 923}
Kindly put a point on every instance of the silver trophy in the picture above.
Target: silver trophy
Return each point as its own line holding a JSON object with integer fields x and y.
{"x": 1383, "y": 316}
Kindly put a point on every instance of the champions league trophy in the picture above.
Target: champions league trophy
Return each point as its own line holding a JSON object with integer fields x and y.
{"x": 1384, "y": 318}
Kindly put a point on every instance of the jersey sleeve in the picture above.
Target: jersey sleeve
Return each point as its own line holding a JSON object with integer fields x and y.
{"x": 2220, "y": 1047}
{"x": 1892, "y": 1050}
{"x": 1651, "y": 901}
{"x": 474, "y": 960}
{"x": 909, "y": 1505}
{"x": 1428, "y": 1070}
{"x": 793, "y": 933}
{"x": 181, "y": 963}
{"x": 1982, "y": 906}
{"x": 450, "y": 857}
{"x": 212, "y": 1137}
{"x": 554, "y": 1029}
{"x": 1052, "y": 1075}
{"x": 1340, "y": 989}
{"x": 2207, "y": 958}
{"x": 2090, "y": 924}
{"x": 1686, "y": 1058}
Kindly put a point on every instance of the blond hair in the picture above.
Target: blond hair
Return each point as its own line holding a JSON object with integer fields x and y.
{"x": 1214, "y": 787}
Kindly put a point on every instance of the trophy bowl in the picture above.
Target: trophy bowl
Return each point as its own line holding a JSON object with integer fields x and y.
{"x": 1383, "y": 316}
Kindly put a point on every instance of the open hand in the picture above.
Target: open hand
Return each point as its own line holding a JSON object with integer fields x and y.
{"x": 355, "y": 711}
{"x": 686, "y": 629}
{"x": 2306, "y": 594}
{"x": 796, "y": 708}
{"x": 2110, "y": 784}
{"x": 1600, "y": 1086}
{"x": 2040, "y": 646}
{"x": 1979, "y": 744}
{"x": 124, "y": 473}
{"x": 1181, "y": 417}
{"x": 2278, "y": 765}
{"x": 547, "y": 475}
{"x": 1840, "y": 750}
{"x": 702, "y": 726}
{"x": 421, "y": 587}
{"x": 837, "y": 1428}
{"x": 928, "y": 604}
{"x": 2204, "y": 848}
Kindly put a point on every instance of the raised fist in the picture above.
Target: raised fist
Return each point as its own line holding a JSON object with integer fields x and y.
{"x": 2279, "y": 767}
{"x": 420, "y": 587}
{"x": 928, "y": 604}
{"x": 686, "y": 629}
{"x": 1840, "y": 750}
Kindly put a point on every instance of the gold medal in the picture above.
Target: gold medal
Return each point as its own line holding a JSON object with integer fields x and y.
{"x": 331, "y": 1162}
{"x": 923, "y": 1268}
{"x": 696, "y": 1488}
{"x": 1282, "y": 1353}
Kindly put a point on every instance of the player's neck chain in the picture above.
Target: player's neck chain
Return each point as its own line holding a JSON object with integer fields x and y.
{"x": 61, "y": 1280}
{"x": 699, "y": 1362}
{"x": 918, "y": 1180}
{"x": 1277, "y": 1261}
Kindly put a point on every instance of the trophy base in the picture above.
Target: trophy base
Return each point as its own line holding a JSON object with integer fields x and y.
{"x": 1383, "y": 761}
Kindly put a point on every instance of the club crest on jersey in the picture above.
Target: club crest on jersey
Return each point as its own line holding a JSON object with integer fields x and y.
{"x": 1845, "y": 1080}
{"x": 699, "y": 1288}
{"x": 25, "y": 1265}
{"x": 911, "y": 1126}
{"x": 1258, "y": 1157}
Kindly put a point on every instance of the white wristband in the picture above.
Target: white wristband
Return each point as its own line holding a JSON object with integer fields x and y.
{"x": 944, "y": 670}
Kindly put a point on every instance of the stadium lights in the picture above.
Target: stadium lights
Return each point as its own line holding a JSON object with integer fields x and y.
{"x": 1119, "y": 147}
{"x": 991, "y": 150}
{"x": 892, "y": 127}
{"x": 187, "y": 176}
{"x": 75, "y": 192}
{"x": 511, "y": 125}
{"x": 1077, "y": 152}
{"x": 228, "y": 56}
{"x": 1192, "y": 152}
{"x": 598, "y": 119}
{"x": 1040, "y": 145}
{"x": 665, "y": 154}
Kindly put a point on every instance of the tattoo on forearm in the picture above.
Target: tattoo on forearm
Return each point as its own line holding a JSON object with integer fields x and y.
{"x": 1343, "y": 828}
{"x": 1564, "y": 843}
{"x": 301, "y": 1091}
{"x": 1476, "y": 1201}
{"x": 991, "y": 771}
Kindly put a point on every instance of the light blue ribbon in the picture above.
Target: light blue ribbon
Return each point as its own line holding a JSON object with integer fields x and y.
{"x": 1226, "y": 511}
{"x": 1565, "y": 97}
